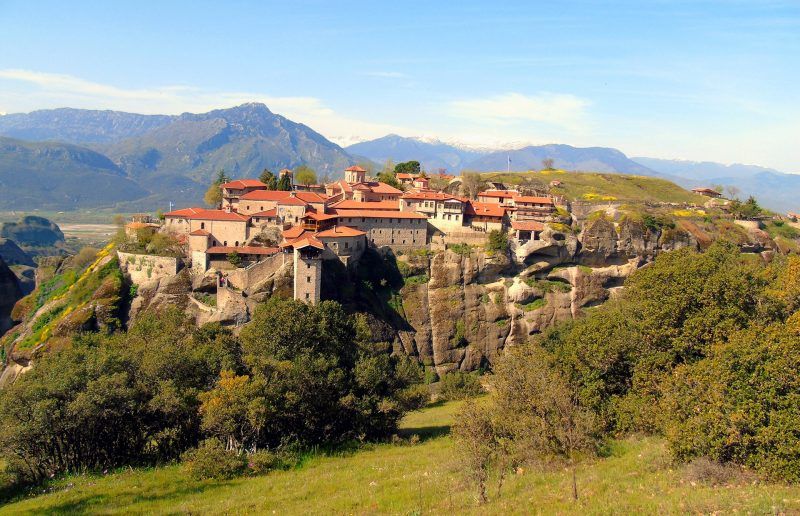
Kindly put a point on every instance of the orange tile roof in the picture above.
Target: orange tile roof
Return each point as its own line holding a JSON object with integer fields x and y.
{"x": 527, "y": 225}
{"x": 319, "y": 216}
{"x": 406, "y": 175}
{"x": 265, "y": 195}
{"x": 378, "y": 187}
{"x": 484, "y": 209}
{"x": 246, "y": 249}
{"x": 533, "y": 200}
{"x": 203, "y": 214}
{"x": 339, "y": 232}
{"x": 368, "y": 205}
{"x": 380, "y": 214}
{"x": 292, "y": 201}
{"x": 293, "y": 232}
{"x": 267, "y": 213}
{"x": 239, "y": 184}
{"x": 355, "y": 168}
{"x": 308, "y": 241}
{"x": 199, "y": 232}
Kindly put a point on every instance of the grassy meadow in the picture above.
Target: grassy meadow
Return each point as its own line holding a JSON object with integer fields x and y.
{"x": 597, "y": 187}
{"x": 636, "y": 477}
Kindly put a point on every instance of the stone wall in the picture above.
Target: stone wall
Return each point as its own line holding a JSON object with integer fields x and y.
{"x": 145, "y": 267}
{"x": 307, "y": 278}
{"x": 247, "y": 277}
{"x": 397, "y": 233}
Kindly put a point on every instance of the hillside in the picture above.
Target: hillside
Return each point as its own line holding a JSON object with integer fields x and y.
{"x": 583, "y": 186}
{"x": 565, "y": 157}
{"x": 60, "y": 176}
{"x": 79, "y": 126}
{"x": 636, "y": 477}
{"x": 774, "y": 189}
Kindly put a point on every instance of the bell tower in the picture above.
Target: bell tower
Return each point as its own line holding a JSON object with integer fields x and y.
{"x": 308, "y": 270}
{"x": 354, "y": 175}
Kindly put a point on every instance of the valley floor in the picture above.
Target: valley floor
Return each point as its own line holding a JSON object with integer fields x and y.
{"x": 637, "y": 477}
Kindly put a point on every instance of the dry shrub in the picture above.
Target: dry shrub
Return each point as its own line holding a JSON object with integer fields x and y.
{"x": 710, "y": 472}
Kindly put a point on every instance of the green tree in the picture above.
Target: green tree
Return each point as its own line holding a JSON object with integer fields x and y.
{"x": 497, "y": 241}
{"x": 538, "y": 408}
{"x": 234, "y": 259}
{"x": 407, "y": 167}
{"x": 269, "y": 179}
{"x": 285, "y": 183}
{"x": 235, "y": 411}
{"x": 472, "y": 184}
{"x": 305, "y": 175}
{"x": 476, "y": 444}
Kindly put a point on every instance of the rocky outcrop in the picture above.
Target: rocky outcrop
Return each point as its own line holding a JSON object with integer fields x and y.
{"x": 162, "y": 292}
{"x": 474, "y": 304}
{"x": 10, "y": 293}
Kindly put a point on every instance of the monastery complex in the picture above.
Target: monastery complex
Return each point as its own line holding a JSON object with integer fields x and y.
{"x": 338, "y": 221}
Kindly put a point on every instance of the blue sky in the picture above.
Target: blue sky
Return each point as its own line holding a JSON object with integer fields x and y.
{"x": 706, "y": 80}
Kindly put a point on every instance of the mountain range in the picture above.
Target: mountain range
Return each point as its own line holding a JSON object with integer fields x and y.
{"x": 134, "y": 162}
{"x": 65, "y": 159}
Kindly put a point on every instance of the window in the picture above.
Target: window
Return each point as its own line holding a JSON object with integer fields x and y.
{"x": 202, "y": 225}
{"x": 308, "y": 266}
{"x": 308, "y": 279}
{"x": 236, "y": 244}
{"x": 307, "y": 295}
{"x": 225, "y": 243}
{"x": 346, "y": 245}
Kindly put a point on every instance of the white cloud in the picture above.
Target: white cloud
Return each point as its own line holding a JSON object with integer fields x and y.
{"x": 555, "y": 109}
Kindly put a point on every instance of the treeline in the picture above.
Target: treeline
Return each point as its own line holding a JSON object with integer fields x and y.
{"x": 702, "y": 348}
{"x": 296, "y": 376}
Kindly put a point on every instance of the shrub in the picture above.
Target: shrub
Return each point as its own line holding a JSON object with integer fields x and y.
{"x": 234, "y": 259}
{"x": 458, "y": 386}
{"x": 706, "y": 471}
{"x": 462, "y": 249}
{"x": 211, "y": 460}
{"x": 498, "y": 241}
{"x": 262, "y": 462}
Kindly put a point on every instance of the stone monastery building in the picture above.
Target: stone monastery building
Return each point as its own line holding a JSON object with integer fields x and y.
{"x": 354, "y": 213}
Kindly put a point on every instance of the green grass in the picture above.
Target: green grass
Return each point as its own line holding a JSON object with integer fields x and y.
{"x": 594, "y": 187}
{"x": 636, "y": 477}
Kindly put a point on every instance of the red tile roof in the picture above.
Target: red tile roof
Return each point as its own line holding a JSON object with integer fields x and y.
{"x": 203, "y": 214}
{"x": 378, "y": 187}
{"x": 527, "y": 225}
{"x": 339, "y": 232}
{"x": 293, "y": 232}
{"x": 500, "y": 194}
{"x": 246, "y": 249}
{"x": 319, "y": 216}
{"x": 199, "y": 232}
{"x": 484, "y": 209}
{"x": 370, "y": 205}
{"x": 380, "y": 214}
{"x": 533, "y": 200}
{"x": 240, "y": 184}
{"x": 292, "y": 201}
{"x": 406, "y": 175}
{"x": 306, "y": 241}
{"x": 267, "y": 213}
{"x": 355, "y": 168}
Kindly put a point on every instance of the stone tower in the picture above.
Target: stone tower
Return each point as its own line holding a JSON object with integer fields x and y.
{"x": 308, "y": 270}
{"x": 354, "y": 174}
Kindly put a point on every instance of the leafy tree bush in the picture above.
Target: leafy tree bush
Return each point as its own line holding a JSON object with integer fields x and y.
{"x": 234, "y": 259}
{"x": 458, "y": 385}
{"x": 269, "y": 179}
{"x": 498, "y": 241}
{"x": 305, "y": 175}
{"x": 211, "y": 460}
{"x": 407, "y": 167}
